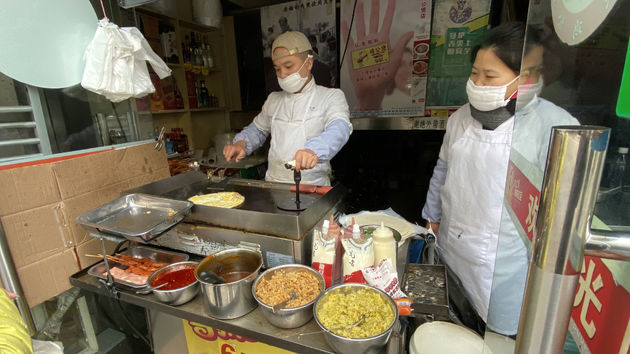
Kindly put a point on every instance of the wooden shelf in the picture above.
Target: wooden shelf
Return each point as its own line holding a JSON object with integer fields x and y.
{"x": 206, "y": 109}
{"x": 166, "y": 111}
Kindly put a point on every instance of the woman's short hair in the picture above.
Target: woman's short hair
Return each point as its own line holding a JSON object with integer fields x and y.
{"x": 507, "y": 41}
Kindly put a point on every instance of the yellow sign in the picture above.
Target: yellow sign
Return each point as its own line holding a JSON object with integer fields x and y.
{"x": 370, "y": 56}
{"x": 206, "y": 340}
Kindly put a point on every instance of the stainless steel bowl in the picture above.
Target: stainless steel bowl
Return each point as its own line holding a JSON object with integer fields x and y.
{"x": 176, "y": 296}
{"x": 231, "y": 299}
{"x": 342, "y": 344}
{"x": 291, "y": 317}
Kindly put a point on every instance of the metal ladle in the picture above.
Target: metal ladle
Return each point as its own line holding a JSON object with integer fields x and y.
{"x": 149, "y": 289}
{"x": 211, "y": 277}
{"x": 279, "y": 306}
{"x": 356, "y": 323}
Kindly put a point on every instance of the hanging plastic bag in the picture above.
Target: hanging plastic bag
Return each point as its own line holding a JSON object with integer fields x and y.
{"x": 115, "y": 63}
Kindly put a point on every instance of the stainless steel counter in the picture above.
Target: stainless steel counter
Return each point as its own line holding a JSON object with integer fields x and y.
{"x": 253, "y": 325}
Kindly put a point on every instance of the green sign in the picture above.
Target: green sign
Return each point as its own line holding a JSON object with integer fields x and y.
{"x": 623, "y": 101}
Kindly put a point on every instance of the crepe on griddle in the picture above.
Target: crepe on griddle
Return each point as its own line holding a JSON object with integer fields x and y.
{"x": 219, "y": 199}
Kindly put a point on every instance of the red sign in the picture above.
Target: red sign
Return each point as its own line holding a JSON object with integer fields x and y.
{"x": 601, "y": 309}
{"x": 523, "y": 198}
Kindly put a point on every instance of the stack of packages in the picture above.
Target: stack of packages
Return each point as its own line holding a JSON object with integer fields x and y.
{"x": 350, "y": 256}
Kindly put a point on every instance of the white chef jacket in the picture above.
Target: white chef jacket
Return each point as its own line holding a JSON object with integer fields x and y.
{"x": 294, "y": 119}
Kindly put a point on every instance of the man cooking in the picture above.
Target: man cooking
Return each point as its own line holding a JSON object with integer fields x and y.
{"x": 308, "y": 123}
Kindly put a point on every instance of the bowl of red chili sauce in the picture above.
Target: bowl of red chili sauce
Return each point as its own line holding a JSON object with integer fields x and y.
{"x": 181, "y": 284}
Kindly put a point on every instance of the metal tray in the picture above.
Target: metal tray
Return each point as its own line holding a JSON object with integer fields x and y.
{"x": 156, "y": 255}
{"x": 137, "y": 217}
{"x": 426, "y": 285}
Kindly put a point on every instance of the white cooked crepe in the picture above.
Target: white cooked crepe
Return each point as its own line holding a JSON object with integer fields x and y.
{"x": 220, "y": 199}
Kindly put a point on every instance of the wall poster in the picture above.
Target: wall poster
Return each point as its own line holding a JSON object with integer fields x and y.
{"x": 458, "y": 26}
{"x": 317, "y": 20}
{"x": 385, "y": 67}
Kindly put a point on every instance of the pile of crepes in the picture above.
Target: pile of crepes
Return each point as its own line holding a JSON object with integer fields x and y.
{"x": 137, "y": 271}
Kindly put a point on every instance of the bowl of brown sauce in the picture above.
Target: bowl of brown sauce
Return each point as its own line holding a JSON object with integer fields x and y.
{"x": 226, "y": 279}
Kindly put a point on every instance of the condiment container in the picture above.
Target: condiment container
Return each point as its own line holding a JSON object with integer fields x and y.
{"x": 384, "y": 245}
{"x": 358, "y": 255}
{"x": 239, "y": 267}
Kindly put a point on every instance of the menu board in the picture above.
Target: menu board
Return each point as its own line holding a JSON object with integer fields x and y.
{"x": 458, "y": 26}
{"x": 385, "y": 65}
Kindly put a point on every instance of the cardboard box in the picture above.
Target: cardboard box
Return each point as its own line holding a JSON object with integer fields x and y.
{"x": 87, "y": 173}
{"x": 37, "y": 233}
{"x": 48, "y": 277}
{"x": 46, "y": 244}
{"x": 26, "y": 188}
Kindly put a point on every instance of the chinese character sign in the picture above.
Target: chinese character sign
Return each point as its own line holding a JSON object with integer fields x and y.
{"x": 386, "y": 59}
{"x": 601, "y": 310}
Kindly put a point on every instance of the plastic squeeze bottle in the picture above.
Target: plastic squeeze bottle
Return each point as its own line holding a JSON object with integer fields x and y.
{"x": 384, "y": 245}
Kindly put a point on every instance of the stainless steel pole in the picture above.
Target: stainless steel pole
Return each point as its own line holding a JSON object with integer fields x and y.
{"x": 572, "y": 175}
{"x": 9, "y": 280}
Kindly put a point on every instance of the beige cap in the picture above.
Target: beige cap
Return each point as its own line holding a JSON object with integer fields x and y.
{"x": 295, "y": 42}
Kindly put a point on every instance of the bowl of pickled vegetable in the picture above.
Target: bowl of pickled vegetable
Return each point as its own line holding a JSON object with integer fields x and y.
{"x": 181, "y": 284}
{"x": 355, "y": 318}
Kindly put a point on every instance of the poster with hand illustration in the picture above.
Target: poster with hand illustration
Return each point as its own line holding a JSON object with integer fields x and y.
{"x": 316, "y": 19}
{"x": 384, "y": 70}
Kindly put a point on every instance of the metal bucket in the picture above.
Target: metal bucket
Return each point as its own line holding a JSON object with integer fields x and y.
{"x": 231, "y": 299}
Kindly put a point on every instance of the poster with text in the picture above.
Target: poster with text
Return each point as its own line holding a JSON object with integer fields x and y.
{"x": 317, "y": 20}
{"x": 458, "y": 26}
{"x": 384, "y": 70}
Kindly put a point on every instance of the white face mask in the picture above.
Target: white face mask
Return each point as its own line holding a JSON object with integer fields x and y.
{"x": 294, "y": 82}
{"x": 527, "y": 92}
{"x": 487, "y": 98}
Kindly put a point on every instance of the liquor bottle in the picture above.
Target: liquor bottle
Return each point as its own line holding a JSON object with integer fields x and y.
{"x": 205, "y": 97}
{"x": 185, "y": 52}
{"x": 198, "y": 57}
{"x": 179, "y": 100}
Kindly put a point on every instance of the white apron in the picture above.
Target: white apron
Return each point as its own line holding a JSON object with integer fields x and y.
{"x": 472, "y": 201}
{"x": 287, "y": 137}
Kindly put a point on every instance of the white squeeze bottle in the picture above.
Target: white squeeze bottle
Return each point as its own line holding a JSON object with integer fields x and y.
{"x": 384, "y": 245}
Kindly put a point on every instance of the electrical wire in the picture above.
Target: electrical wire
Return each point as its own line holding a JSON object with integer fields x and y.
{"x": 349, "y": 31}
{"x": 132, "y": 326}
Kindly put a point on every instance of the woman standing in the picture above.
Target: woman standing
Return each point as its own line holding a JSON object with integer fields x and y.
{"x": 466, "y": 192}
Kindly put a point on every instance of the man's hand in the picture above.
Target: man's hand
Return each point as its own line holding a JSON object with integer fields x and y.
{"x": 305, "y": 159}
{"x": 235, "y": 151}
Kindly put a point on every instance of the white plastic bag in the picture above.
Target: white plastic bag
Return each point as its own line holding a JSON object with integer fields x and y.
{"x": 115, "y": 63}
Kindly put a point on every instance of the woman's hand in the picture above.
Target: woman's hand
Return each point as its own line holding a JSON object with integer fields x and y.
{"x": 372, "y": 82}
{"x": 305, "y": 159}
{"x": 433, "y": 226}
{"x": 235, "y": 151}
